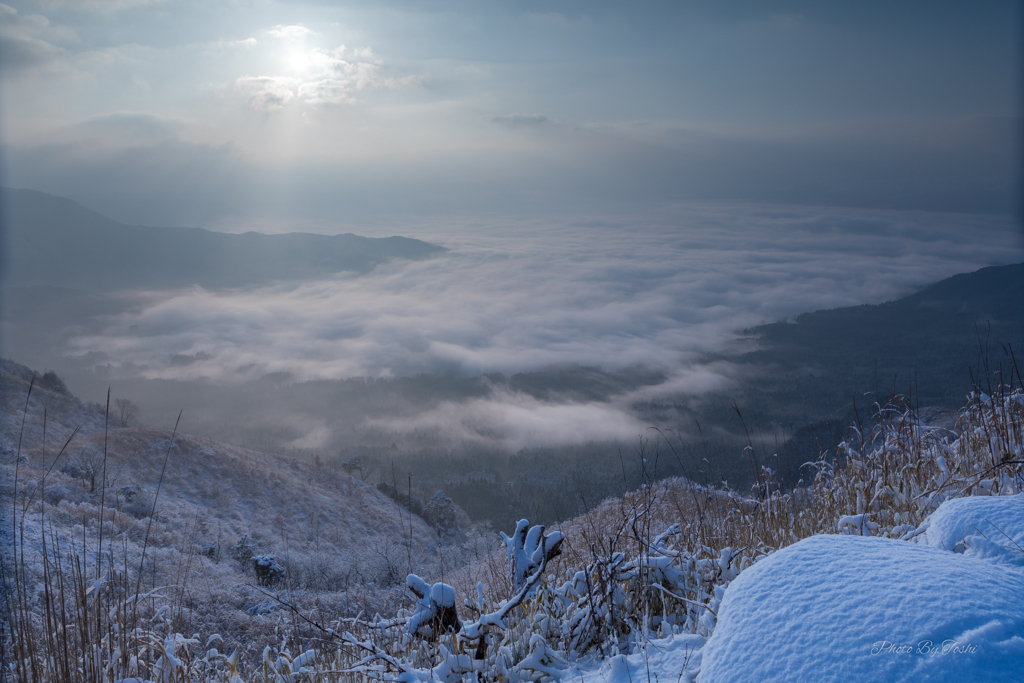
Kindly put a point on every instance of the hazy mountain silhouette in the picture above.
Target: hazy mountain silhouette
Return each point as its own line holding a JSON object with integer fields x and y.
{"x": 926, "y": 345}
{"x": 55, "y": 241}
{"x": 812, "y": 377}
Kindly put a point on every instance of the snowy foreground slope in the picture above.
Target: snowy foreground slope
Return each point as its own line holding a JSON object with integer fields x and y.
{"x": 850, "y": 608}
{"x": 863, "y": 609}
{"x": 901, "y": 559}
{"x": 911, "y": 568}
{"x": 338, "y": 537}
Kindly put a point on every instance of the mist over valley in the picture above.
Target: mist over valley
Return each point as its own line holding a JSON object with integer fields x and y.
{"x": 569, "y": 350}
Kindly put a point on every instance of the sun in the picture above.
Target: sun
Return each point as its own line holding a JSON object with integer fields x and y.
{"x": 297, "y": 61}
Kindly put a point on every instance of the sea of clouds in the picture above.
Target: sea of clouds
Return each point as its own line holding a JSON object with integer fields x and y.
{"x": 660, "y": 291}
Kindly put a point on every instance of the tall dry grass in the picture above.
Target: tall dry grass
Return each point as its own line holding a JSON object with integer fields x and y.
{"x": 654, "y": 562}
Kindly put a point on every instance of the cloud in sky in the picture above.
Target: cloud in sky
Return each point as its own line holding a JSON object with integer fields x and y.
{"x": 387, "y": 178}
{"x": 30, "y": 41}
{"x": 268, "y": 92}
{"x": 97, "y": 5}
{"x": 130, "y": 129}
{"x": 474, "y": 108}
{"x": 290, "y": 32}
{"x": 316, "y": 77}
{"x": 515, "y": 120}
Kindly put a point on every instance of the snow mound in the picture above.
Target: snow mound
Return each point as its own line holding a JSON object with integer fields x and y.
{"x": 674, "y": 659}
{"x": 986, "y": 527}
{"x": 852, "y": 609}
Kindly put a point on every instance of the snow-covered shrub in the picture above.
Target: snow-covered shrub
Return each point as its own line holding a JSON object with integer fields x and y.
{"x": 440, "y": 513}
{"x": 129, "y": 493}
{"x": 268, "y": 572}
{"x": 50, "y": 380}
{"x": 980, "y": 526}
{"x": 325, "y": 572}
{"x": 857, "y": 525}
{"x": 55, "y": 493}
{"x": 888, "y": 481}
{"x": 136, "y": 501}
{"x": 243, "y": 551}
{"x": 435, "y": 608}
{"x": 528, "y": 548}
{"x": 935, "y": 607}
{"x": 384, "y": 563}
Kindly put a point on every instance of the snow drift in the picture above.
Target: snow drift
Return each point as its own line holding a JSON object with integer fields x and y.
{"x": 851, "y": 608}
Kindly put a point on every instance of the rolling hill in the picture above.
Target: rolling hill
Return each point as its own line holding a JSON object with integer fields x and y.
{"x": 214, "y": 507}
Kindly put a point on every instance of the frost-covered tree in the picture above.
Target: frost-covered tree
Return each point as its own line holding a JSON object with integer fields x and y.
{"x": 441, "y": 514}
{"x": 413, "y": 505}
{"x": 127, "y": 411}
{"x": 51, "y": 381}
{"x": 85, "y": 466}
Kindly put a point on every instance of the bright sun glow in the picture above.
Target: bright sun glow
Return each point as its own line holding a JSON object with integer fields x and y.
{"x": 298, "y": 62}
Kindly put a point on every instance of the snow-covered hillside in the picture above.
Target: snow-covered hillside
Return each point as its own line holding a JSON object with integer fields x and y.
{"x": 900, "y": 559}
{"x": 343, "y": 542}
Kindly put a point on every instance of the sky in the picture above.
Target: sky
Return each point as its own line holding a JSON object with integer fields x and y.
{"x": 273, "y": 115}
{"x": 617, "y": 184}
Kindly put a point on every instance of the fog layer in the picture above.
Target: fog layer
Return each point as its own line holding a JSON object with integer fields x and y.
{"x": 523, "y": 296}
{"x": 659, "y": 293}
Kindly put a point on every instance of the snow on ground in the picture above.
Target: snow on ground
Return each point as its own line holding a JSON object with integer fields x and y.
{"x": 219, "y": 507}
{"x": 675, "y": 659}
{"x": 851, "y": 608}
{"x": 980, "y": 526}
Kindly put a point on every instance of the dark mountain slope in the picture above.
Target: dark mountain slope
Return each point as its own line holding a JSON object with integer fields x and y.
{"x": 55, "y": 241}
{"x": 927, "y": 344}
{"x": 811, "y": 378}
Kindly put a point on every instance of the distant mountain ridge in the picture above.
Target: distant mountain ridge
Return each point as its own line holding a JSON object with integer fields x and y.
{"x": 55, "y": 241}
{"x": 816, "y": 375}
{"x": 941, "y": 332}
